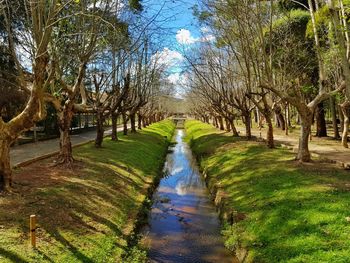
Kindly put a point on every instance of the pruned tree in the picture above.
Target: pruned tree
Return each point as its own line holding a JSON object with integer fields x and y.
{"x": 37, "y": 23}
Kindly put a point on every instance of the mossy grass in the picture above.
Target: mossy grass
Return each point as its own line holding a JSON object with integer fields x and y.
{"x": 287, "y": 211}
{"x": 87, "y": 214}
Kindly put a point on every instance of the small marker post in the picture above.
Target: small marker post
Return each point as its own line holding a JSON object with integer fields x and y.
{"x": 32, "y": 224}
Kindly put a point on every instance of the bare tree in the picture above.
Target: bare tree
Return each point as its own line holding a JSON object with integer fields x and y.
{"x": 39, "y": 20}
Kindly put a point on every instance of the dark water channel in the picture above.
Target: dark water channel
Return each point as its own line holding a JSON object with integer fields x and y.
{"x": 183, "y": 223}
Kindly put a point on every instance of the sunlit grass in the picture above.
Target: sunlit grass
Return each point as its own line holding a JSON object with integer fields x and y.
{"x": 88, "y": 214}
{"x": 293, "y": 212}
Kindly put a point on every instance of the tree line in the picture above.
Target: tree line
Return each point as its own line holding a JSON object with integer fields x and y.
{"x": 76, "y": 56}
{"x": 272, "y": 59}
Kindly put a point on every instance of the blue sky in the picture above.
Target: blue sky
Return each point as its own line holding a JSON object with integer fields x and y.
{"x": 175, "y": 15}
{"x": 178, "y": 31}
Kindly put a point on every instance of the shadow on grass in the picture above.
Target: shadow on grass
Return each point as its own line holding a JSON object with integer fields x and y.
{"x": 86, "y": 215}
{"x": 294, "y": 212}
{"x": 11, "y": 256}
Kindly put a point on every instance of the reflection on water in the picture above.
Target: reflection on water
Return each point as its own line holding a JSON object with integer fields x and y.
{"x": 183, "y": 224}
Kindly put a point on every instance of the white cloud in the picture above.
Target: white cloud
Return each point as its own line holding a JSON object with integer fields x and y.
{"x": 183, "y": 36}
{"x": 168, "y": 58}
{"x": 208, "y": 38}
{"x": 174, "y": 78}
{"x": 180, "y": 82}
{"x": 205, "y": 30}
{"x": 179, "y": 79}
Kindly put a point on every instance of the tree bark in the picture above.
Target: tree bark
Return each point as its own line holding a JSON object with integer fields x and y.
{"x": 5, "y": 165}
{"x": 269, "y": 133}
{"x": 66, "y": 153}
{"x": 303, "y": 150}
{"x": 321, "y": 127}
{"x": 216, "y": 122}
{"x": 99, "y": 130}
{"x": 139, "y": 121}
{"x": 228, "y": 125}
{"x": 345, "y": 111}
{"x": 248, "y": 128}
{"x": 341, "y": 117}
{"x": 213, "y": 121}
{"x": 133, "y": 122}
{"x": 234, "y": 130}
{"x": 114, "y": 127}
{"x": 65, "y": 120}
{"x": 334, "y": 118}
{"x": 256, "y": 117}
{"x": 280, "y": 119}
{"x": 125, "y": 124}
{"x": 286, "y": 119}
{"x": 221, "y": 123}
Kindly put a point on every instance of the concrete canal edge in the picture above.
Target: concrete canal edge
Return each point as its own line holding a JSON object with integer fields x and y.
{"x": 227, "y": 214}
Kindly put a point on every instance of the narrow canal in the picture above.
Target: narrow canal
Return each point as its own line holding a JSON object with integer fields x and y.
{"x": 183, "y": 224}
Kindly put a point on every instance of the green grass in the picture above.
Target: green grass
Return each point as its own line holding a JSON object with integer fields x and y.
{"x": 291, "y": 212}
{"x": 87, "y": 214}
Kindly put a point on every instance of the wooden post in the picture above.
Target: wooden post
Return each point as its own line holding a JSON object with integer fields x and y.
{"x": 32, "y": 223}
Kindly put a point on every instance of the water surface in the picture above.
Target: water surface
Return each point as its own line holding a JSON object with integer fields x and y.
{"x": 183, "y": 223}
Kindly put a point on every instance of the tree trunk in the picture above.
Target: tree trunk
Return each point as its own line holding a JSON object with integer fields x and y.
{"x": 248, "y": 128}
{"x": 334, "y": 118}
{"x": 277, "y": 121}
{"x": 139, "y": 121}
{"x": 303, "y": 150}
{"x": 256, "y": 117}
{"x": 321, "y": 127}
{"x": 286, "y": 119}
{"x": 341, "y": 118}
{"x": 280, "y": 119}
{"x": 5, "y": 165}
{"x": 114, "y": 127}
{"x": 345, "y": 111}
{"x": 233, "y": 127}
{"x": 269, "y": 133}
{"x": 228, "y": 125}
{"x": 65, "y": 120}
{"x": 221, "y": 123}
{"x": 66, "y": 153}
{"x": 216, "y": 122}
{"x": 133, "y": 122}
{"x": 99, "y": 130}
{"x": 125, "y": 124}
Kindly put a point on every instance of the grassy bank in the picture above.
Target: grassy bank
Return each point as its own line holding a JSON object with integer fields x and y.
{"x": 86, "y": 214}
{"x": 282, "y": 211}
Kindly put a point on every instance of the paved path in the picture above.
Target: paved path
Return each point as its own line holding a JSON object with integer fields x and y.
{"x": 327, "y": 148}
{"x": 27, "y": 152}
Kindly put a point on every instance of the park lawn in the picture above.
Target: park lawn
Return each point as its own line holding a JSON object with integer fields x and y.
{"x": 87, "y": 214}
{"x": 284, "y": 211}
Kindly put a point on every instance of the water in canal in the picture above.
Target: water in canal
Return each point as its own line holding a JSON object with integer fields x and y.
{"x": 183, "y": 224}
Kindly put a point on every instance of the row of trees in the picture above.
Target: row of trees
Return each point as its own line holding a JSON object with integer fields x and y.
{"x": 76, "y": 56}
{"x": 272, "y": 58}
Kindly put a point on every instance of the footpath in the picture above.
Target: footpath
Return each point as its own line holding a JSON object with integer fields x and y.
{"x": 325, "y": 148}
{"x": 26, "y": 153}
